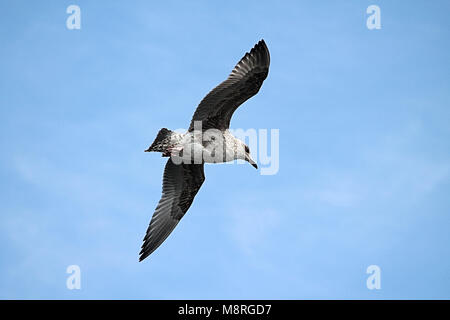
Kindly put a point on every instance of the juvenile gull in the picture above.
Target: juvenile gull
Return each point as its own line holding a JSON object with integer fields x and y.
{"x": 207, "y": 140}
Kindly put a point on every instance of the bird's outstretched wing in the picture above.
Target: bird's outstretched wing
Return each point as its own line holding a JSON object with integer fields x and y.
{"x": 180, "y": 185}
{"x": 216, "y": 109}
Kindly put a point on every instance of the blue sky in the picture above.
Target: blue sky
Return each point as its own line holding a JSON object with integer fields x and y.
{"x": 364, "y": 173}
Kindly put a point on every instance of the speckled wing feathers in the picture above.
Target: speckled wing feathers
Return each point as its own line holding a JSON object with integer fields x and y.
{"x": 217, "y": 108}
{"x": 180, "y": 185}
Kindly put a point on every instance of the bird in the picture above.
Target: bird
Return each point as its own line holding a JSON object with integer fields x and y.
{"x": 208, "y": 140}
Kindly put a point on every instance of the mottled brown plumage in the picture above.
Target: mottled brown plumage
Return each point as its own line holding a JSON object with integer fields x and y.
{"x": 181, "y": 182}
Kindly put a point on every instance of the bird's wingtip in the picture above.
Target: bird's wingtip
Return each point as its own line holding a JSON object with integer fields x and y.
{"x": 142, "y": 256}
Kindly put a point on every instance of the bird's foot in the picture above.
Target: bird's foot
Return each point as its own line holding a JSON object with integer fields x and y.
{"x": 173, "y": 151}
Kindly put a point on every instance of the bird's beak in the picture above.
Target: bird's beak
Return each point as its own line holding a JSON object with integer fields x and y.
{"x": 253, "y": 163}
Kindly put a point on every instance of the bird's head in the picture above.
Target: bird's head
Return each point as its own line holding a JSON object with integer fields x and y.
{"x": 248, "y": 158}
{"x": 243, "y": 152}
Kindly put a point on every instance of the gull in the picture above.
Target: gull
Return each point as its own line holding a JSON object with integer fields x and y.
{"x": 207, "y": 140}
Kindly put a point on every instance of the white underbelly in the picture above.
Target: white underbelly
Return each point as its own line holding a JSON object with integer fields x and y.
{"x": 197, "y": 151}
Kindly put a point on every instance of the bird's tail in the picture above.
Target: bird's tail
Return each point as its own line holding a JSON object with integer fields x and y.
{"x": 162, "y": 142}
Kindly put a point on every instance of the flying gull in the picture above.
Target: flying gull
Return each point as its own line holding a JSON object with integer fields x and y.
{"x": 207, "y": 140}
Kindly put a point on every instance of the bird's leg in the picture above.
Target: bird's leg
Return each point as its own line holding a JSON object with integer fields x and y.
{"x": 176, "y": 151}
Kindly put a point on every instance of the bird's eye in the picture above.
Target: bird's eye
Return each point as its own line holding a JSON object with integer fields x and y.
{"x": 247, "y": 149}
